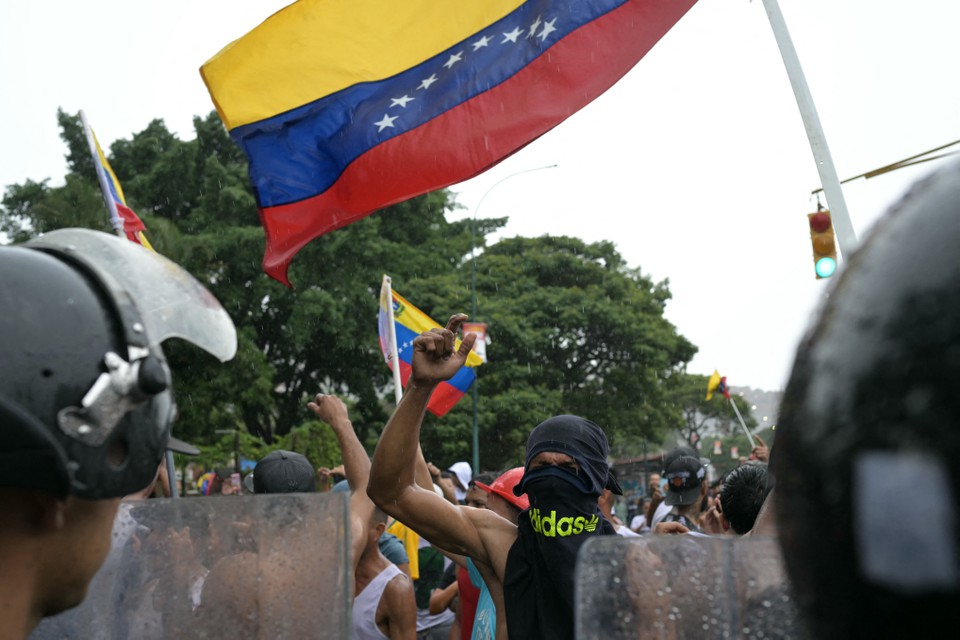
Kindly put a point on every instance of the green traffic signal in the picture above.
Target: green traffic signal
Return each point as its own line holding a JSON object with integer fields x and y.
{"x": 824, "y": 243}
{"x": 825, "y": 267}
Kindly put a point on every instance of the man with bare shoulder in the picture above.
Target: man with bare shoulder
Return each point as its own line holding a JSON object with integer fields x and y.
{"x": 528, "y": 567}
{"x": 384, "y": 605}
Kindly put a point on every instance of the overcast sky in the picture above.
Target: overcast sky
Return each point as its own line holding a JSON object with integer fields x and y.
{"x": 696, "y": 164}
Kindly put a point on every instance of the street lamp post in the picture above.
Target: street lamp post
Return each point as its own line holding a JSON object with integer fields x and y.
{"x": 473, "y": 300}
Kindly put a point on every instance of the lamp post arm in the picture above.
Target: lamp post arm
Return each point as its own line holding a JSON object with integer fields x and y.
{"x": 473, "y": 300}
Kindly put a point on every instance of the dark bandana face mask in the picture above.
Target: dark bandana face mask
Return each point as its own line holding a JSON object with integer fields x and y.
{"x": 539, "y": 580}
{"x": 561, "y": 504}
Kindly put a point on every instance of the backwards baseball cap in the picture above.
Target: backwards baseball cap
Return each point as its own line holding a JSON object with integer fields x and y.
{"x": 284, "y": 472}
{"x": 503, "y": 486}
{"x": 580, "y": 439}
{"x": 684, "y": 473}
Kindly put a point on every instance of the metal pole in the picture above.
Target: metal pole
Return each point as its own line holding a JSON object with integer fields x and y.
{"x": 473, "y": 304}
{"x": 742, "y": 423}
{"x": 646, "y": 470}
{"x": 172, "y": 475}
{"x": 846, "y": 236}
{"x": 386, "y": 291}
{"x": 474, "y": 392}
{"x": 236, "y": 451}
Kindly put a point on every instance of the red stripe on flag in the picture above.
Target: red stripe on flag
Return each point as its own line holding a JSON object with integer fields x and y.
{"x": 431, "y": 156}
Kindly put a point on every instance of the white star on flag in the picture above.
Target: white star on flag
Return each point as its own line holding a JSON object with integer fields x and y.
{"x": 426, "y": 82}
{"x": 482, "y": 42}
{"x": 386, "y": 121}
{"x": 512, "y": 36}
{"x": 548, "y": 28}
{"x": 454, "y": 59}
{"x": 533, "y": 27}
{"x": 402, "y": 102}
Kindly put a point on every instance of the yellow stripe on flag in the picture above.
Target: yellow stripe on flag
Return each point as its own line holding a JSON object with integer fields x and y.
{"x": 712, "y": 384}
{"x": 313, "y": 48}
{"x": 418, "y": 322}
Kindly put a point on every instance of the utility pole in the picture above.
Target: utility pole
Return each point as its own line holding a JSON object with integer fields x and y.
{"x": 846, "y": 236}
{"x": 473, "y": 303}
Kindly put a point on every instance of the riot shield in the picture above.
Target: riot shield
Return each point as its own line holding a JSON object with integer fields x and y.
{"x": 669, "y": 586}
{"x": 269, "y": 566}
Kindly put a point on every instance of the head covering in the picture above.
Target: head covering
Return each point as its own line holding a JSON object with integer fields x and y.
{"x": 464, "y": 473}
{"x": 86, "y": 399}
{"x": 868, "y": 424}
{"x": 580, "y": 439}
{"x": 284, "y": 472}
{"x": 503, "y": 486}
{"x": 684, "y": 474}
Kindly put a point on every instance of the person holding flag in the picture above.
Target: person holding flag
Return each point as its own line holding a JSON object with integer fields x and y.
{"x": 528, "y": 566}
{"x": 399, "y": 323}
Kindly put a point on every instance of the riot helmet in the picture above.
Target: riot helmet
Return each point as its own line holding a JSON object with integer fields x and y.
{"x": 867, "y": 487}
{"x": 86, "y": 402}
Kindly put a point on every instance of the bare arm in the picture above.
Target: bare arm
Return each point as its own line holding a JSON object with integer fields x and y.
{"x": 356, "y": 466}
{"x": 393, "y": 484}
{"x": 456, "y": 558}
{"x": 400, "y": 608}
{"x": 440, "y": 599}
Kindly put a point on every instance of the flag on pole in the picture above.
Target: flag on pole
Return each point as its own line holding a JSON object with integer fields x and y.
{"x": 717, "y": 383}
{"x": 133, "y": 226}
{"x": 344, "y": 107}
{"x": 122, "y": 217}
{"x": 409, "y": 322}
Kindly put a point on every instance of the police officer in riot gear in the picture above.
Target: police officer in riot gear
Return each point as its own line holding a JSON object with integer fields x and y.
{"x": 866, "y": 458}
{"x": 86, "y": 404}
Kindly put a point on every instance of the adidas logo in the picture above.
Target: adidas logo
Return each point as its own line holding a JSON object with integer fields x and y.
{"x": 550, "y": 526}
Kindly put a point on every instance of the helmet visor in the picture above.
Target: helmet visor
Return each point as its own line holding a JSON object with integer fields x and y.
{"x": 171, "y": 302}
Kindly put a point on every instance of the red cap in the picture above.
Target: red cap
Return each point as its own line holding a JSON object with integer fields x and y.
{"x": 503, "y": 487}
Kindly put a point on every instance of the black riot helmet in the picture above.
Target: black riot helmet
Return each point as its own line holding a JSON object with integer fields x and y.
{"x": 868, "y": 437}
{"x": 86, "y": 403}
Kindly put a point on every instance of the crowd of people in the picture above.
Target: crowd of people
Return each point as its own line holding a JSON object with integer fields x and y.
{"x": 866, "y": 424}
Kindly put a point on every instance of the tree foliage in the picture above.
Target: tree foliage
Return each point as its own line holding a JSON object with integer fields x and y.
{"x": 574, "y": 328}
{"x": 714, "y": 417}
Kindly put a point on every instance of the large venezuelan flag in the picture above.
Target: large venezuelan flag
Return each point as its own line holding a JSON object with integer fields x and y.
{"x": 411, "y": 322}
{"x": 347, "y": 106}
{"x": 133, "y": 226}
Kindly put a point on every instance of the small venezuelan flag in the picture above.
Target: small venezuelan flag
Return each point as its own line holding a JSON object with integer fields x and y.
{"x": 344, "y": 107}
{"x": 133, "y": 226}
{"x": 411, "y": 322}
{"x": 717, "y": 383}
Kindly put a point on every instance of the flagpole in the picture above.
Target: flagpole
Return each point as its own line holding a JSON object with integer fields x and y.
{"x": 392, "y": 332}
{"x": 846, "y": 236}
{"x": 742, "y": 423}
{"x": 115, "y": 221}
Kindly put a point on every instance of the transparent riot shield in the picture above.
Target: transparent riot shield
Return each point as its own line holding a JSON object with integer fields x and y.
{"x": 269, "y": 566}
{"x": 668, "y": 586}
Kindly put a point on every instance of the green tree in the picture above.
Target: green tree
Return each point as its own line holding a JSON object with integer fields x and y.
{"x": 195, "y": 198}
{"x": 576, "y": 330}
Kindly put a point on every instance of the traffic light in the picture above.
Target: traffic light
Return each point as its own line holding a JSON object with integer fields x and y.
{"x": 824, "y": 244}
